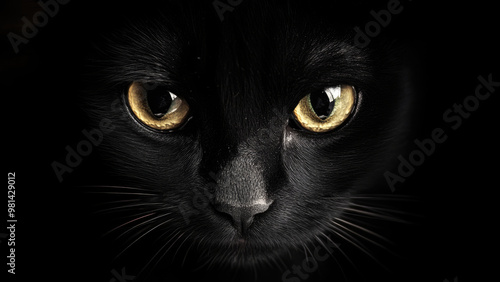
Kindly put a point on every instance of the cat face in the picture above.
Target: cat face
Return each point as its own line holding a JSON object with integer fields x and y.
{"x": 240, "y": 140}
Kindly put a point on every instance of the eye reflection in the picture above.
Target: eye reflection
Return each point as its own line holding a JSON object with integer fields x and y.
{"x": 325, "y": 110}
{"x": 157, "y": 108}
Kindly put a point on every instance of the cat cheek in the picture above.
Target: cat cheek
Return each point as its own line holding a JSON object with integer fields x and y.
{"x": 287, "y": 138}
{"x": 117, "y": 108}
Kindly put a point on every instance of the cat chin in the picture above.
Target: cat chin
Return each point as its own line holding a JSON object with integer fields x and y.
{"x": 241, "y": 254}
{"x": 269, "y": 238}
{"x": 256, "y": 250}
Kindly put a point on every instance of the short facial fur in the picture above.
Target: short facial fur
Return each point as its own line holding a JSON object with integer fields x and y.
{"x": 242, "y": 78}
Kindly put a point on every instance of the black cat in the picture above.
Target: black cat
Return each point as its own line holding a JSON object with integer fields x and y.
{"x": 246, "y": 136}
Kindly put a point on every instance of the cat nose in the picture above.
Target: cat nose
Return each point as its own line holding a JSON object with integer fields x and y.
{"x": 242, "y": 216}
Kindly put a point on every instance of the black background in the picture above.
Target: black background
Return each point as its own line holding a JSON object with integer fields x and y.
{"x": 455, "y": 237}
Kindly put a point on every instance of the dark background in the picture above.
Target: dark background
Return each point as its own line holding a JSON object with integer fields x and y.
{"x": 456, "y": 186}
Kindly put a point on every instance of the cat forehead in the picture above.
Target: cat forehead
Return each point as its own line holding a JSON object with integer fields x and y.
{"x": 241, "y": 57}
{"x": 257, "y": 54}
{"x": 257, "y": 35}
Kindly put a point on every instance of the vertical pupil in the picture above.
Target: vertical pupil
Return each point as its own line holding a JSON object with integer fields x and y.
{"x": 159, "y": 101}
{"x": 322, "y": 104}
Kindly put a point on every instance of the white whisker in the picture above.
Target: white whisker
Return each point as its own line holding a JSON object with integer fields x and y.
{"x": 143, "y": 223}
{"x": 135, "y": 219}
{"x": 330, "y": 253}
{"x": 120, "y": 193}
{"x": 156, "y": 254}
{"x": 373, "y": 214}
{"x": 364, "y": 229}
{"x": 355, "y": 243}
{"x": 343, "y": 253}
{"x": 359, "y": 235}
{"x": 116, "y": 187}
{"x": 127, "y": 206}
{"x": 144, "y": 234}
{"x": 382, "y": 210}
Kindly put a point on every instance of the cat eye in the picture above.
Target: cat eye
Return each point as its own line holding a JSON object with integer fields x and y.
{"x": 157, "y": 108}
{"x": 325, "y": 110}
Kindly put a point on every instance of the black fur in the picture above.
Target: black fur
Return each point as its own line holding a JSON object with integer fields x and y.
{"x": 242, "y": 78}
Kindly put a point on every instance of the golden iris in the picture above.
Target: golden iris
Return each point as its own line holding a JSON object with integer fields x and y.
{"x": 157, "y": 108}
{"x": 325, "y": 110}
